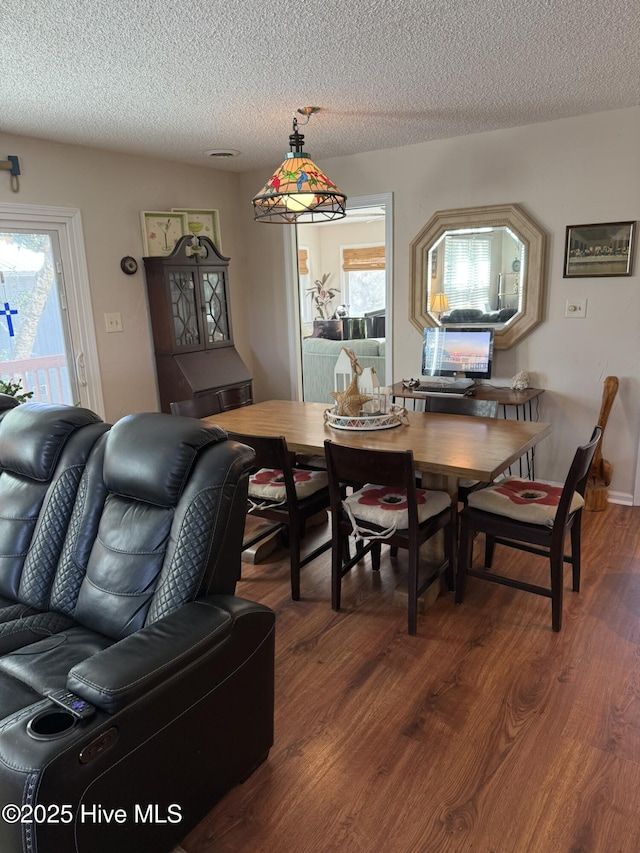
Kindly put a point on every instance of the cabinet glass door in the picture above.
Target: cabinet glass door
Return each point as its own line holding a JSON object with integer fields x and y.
{"x": 182, "y": 291}
{"x": 215, "y": 309}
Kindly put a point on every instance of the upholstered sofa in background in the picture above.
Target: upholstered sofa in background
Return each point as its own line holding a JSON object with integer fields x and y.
{"x": 474, "y": 315}
{"x": 319, "y": 357}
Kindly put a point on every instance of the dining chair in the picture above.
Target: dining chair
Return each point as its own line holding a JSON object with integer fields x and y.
{"x": 285, "y": 495}
{"x": 388, "y": 508}
{"x": 464, "y": 406}
{"x": 198, "y": 407}
{"x": 531, "y": 516}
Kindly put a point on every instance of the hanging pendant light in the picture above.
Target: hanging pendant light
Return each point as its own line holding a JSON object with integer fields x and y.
{"x": 298, "y": 191}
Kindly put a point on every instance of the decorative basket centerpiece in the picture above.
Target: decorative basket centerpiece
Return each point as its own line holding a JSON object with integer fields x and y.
{"x": 361, "y": 404}
{"x": 393, "y": 418}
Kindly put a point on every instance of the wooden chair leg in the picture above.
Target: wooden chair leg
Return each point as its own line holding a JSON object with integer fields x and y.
{"x": 576, "y": 536}
{"x": 450, "y": 549}
{"x": 376, "y": 550}
{"x": 489, "y": 548}
{"x": 393, "y": 551}
{"x": 338, "y": 539}
{"x": 412, "y": 591}
{"x": 337, "y": 561}
{"x": 294, "y": 558}
{"x": 464, "y": 558}
{"x": 557, "y": 570}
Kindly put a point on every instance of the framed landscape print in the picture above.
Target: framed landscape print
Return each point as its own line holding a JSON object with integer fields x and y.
{"x": 161, "y": 230}
{"x": 599, "y": 250}
{"x": 202, "y": 223}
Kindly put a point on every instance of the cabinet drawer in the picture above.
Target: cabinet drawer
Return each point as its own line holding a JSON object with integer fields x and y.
{"x": 234, "y": 398}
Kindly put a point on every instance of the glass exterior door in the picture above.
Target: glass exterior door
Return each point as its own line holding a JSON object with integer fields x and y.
{"x": 36, "y": 349}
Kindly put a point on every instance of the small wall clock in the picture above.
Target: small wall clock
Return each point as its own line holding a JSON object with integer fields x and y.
{"x": 129, "y": 265}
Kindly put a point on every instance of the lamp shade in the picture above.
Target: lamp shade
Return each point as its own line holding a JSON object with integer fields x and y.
{"x": 299, "y": 191}
{"x": 439, "y": 303}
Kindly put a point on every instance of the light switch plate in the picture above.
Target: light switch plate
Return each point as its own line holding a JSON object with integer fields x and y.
{"x": 113, "y": 322}
{"x": 576, "y": 309}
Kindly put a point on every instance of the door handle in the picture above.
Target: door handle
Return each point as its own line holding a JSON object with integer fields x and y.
{"x": 80, "y": 369}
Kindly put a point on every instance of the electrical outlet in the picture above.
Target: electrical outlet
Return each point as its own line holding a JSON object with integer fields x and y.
{"x": 576, "y": 309}
{"x": 113, "y": 322}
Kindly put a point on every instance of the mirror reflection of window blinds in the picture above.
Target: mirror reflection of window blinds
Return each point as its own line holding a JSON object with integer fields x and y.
{"x": 467, "y": 271}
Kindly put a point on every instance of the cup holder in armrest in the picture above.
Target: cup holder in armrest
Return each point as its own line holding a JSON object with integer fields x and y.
{"x": 51, "y": 723}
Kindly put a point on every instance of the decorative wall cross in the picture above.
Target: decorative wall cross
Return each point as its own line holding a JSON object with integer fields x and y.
{"x": 7, "y": 312}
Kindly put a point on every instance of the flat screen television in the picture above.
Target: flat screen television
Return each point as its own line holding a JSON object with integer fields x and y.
{"x": 462, "y": 353}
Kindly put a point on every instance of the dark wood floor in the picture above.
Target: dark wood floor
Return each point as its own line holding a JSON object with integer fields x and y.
{"x": 487, "y": 732}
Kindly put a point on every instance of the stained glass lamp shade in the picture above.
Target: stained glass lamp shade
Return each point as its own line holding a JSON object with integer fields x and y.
{"x": 298, "y": 191}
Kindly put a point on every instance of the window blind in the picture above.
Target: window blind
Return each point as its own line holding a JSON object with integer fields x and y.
{"x": 363, "y": 258}
{"x": 303, "y": 262}
{"x": 467, "y": 266}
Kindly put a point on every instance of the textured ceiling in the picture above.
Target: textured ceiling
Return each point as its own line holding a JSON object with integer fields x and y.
{"x": 174, "y": 79}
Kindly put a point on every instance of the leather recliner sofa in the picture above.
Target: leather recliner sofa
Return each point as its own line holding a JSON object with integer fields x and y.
{"x": 119, "y": 557}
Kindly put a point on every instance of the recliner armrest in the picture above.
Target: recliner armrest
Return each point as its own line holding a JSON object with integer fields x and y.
{"x": 120, "y": 674}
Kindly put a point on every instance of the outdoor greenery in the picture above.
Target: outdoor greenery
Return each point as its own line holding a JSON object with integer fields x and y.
{"x": 12, "y": 389}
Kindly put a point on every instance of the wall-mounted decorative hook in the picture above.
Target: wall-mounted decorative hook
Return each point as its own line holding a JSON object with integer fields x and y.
{"x": 12, "y": 165}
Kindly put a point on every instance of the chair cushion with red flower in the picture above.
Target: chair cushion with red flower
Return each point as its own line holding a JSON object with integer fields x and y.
{"x": 531, "y": 501}
{"x": 386, "y": 507}
{"x": 268, "y": 484}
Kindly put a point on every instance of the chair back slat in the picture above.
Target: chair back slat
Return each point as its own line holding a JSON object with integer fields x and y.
{"x": 271, "y": 452}
{"x": 357, "y": 466}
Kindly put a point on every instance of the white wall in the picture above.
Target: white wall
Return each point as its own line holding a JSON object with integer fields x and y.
{"x": 110, "y": 190}
{"x": 580, "y": 170}
{"x": 573, "y": 171}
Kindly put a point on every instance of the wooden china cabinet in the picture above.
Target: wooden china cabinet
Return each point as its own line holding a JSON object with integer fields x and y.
{"x": 191, "y": 325}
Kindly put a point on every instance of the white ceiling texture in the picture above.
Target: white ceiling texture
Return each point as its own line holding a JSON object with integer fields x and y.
{"x": 174, "y": 79}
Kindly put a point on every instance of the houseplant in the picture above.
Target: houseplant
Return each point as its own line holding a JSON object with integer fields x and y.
{"x": 321, "y": 296}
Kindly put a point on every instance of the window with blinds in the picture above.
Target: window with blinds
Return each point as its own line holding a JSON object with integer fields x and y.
{"x": 467, "y": 265}
{"x": 364, "y": 279}
{"x": 360, "y": 258}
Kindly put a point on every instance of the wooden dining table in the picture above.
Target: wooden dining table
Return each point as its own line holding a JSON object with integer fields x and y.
{"x": 445, "y": 448}
{"x": 448, "y": 447}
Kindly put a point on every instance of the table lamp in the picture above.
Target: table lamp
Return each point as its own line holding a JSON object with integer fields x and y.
{"x": 439, "y": 303}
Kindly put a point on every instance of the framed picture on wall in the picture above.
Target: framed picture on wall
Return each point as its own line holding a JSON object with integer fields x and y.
{"x": 161, "y": 230}
{"x": 599, "y": 250}
{"x": 203, "y": 223}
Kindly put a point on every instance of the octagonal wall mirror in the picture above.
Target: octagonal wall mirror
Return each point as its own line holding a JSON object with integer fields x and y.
{"x": 479, "y": 266}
